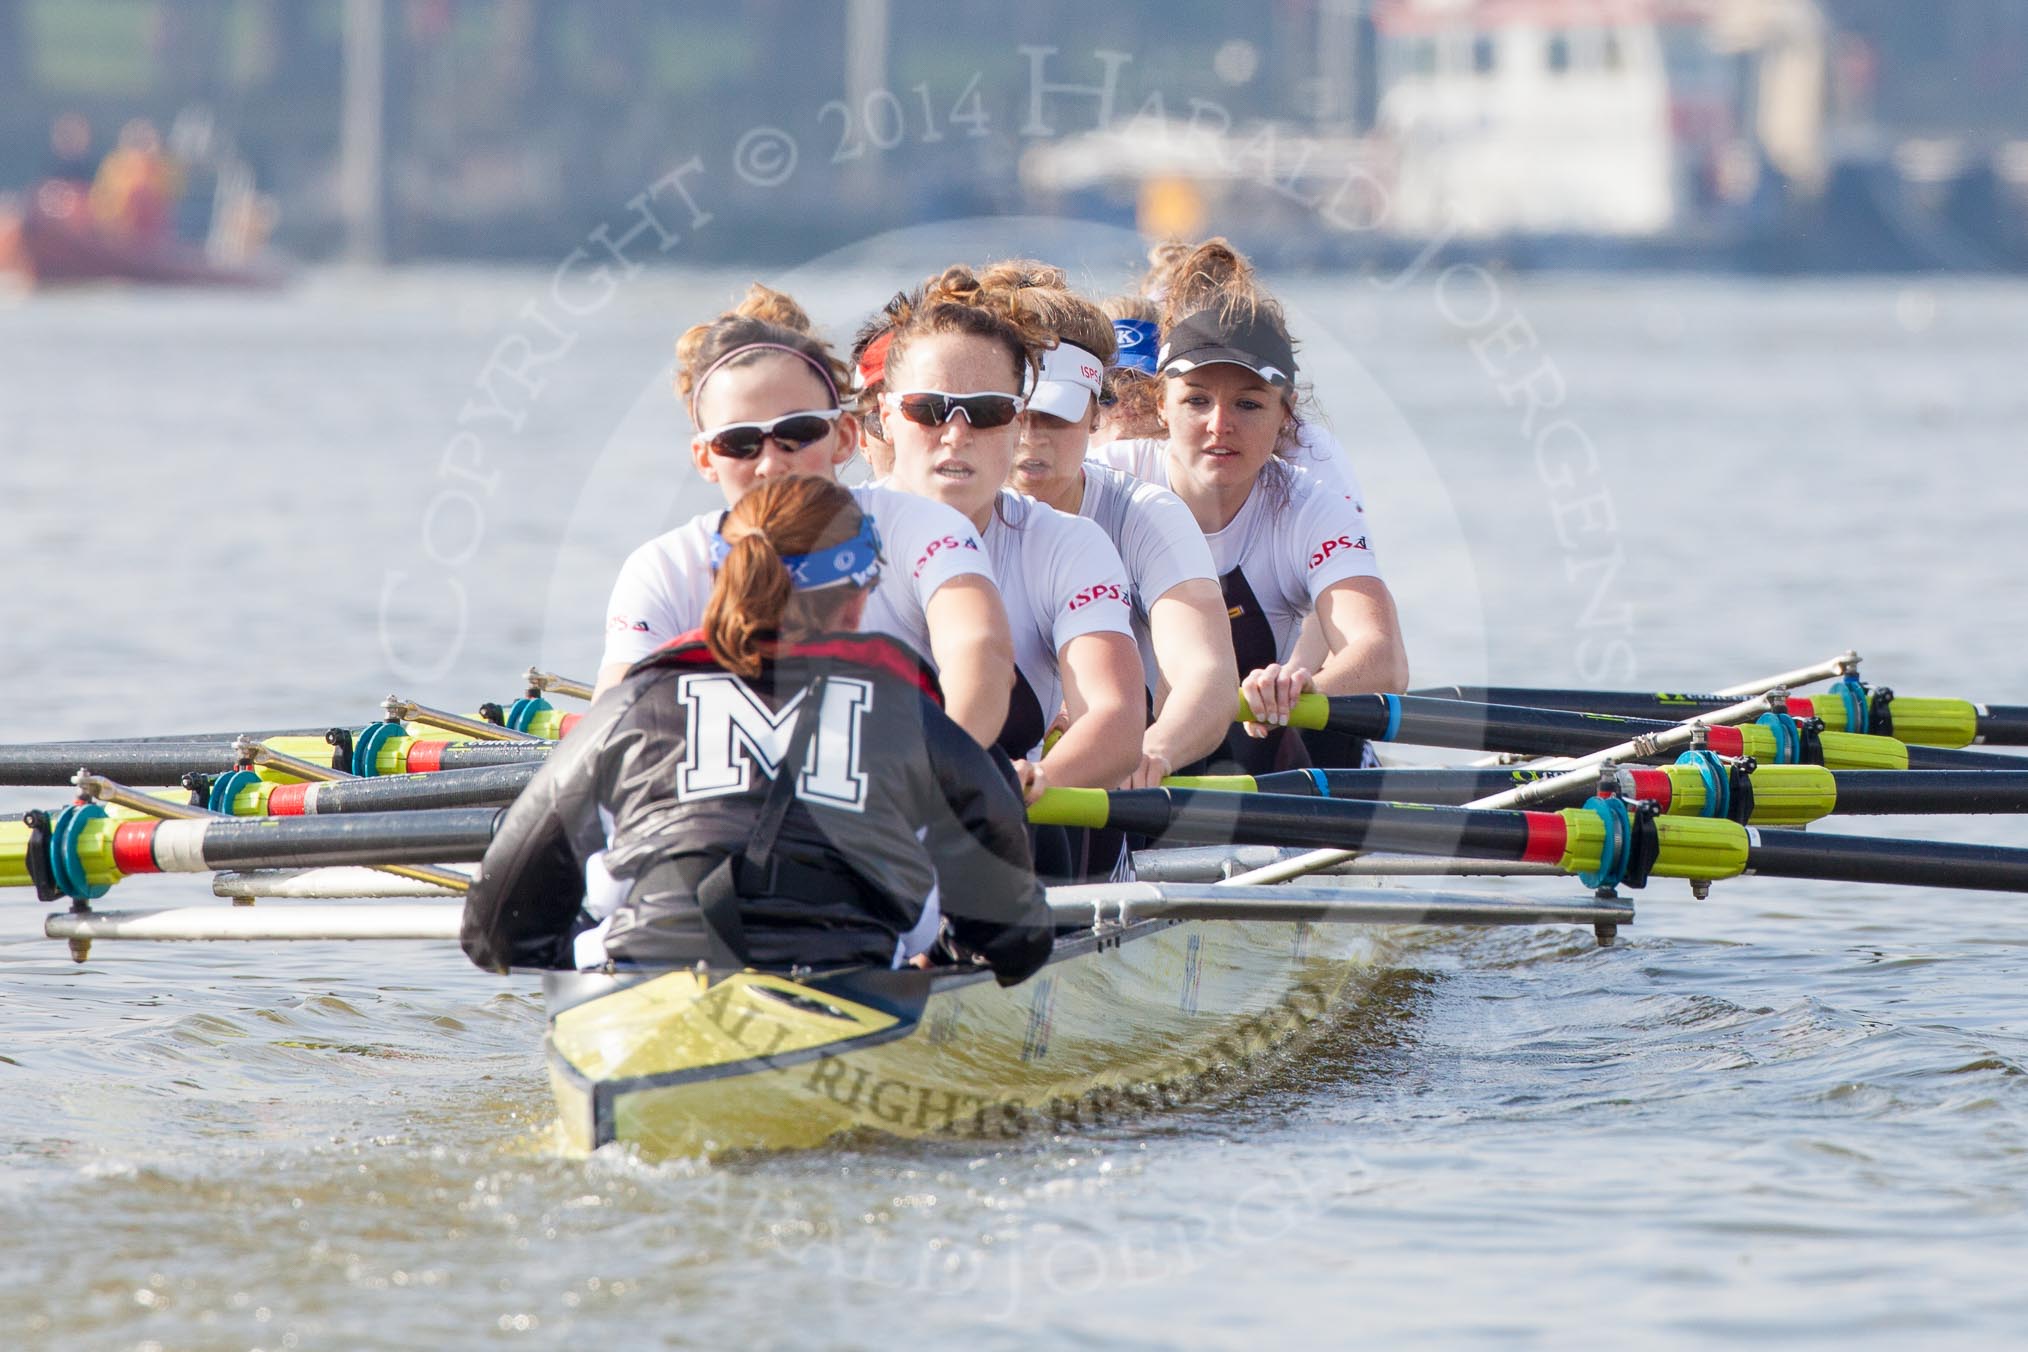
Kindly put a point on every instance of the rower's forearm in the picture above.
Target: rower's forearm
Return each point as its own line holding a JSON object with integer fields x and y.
{"x": 1098, "y": 751}
{"x": 1193, "y": 722}
{"x": 1371, "y": 666}
{"x": 975, "y": 696}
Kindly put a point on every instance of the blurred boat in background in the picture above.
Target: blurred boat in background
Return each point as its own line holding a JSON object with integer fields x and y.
{"x": 53, "y": 238}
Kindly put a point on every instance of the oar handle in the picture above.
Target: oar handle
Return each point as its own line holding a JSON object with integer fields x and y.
{"x": 1311, "y": 710}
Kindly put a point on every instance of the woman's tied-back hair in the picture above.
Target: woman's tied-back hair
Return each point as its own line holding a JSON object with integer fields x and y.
{"x": 763, "y": 316}
{"x": 1132, "y": 307}
{"x": 1162, "y": 260}
{"x": 954, "y": 301}
{"x": 1039, "y": 295}
{"x": 1214, "y": 275}
{"x": 754, "y": 607}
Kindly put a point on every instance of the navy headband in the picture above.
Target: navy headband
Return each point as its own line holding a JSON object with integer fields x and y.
{"x": 1138, "y": 340}
{"x": 857, "y": 560}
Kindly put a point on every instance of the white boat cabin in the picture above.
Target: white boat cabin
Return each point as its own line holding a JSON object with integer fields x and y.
{"x": 1549, "y": 117}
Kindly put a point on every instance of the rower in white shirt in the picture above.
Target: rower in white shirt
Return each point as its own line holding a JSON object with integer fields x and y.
{"x": 1286, "y": 544}
{"x": 1178, "y": 614}
{"x": 957, "y": 369}
{"x": 763, "y": 394}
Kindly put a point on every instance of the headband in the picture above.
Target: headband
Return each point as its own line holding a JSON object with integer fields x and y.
{"x": 1138, "y": 340}
{"x": 873, "y": 361}
{"x": 857, "y": 560}
{"x": 823, "y": 371}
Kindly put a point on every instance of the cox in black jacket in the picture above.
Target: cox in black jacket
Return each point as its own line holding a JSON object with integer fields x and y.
{"x": 667, "y": 774}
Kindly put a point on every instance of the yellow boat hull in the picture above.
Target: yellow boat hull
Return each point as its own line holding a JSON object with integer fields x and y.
{"x": 686, "y": 1063}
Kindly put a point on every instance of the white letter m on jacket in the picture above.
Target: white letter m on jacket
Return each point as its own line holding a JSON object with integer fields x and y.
{"x": 729, "y": 729}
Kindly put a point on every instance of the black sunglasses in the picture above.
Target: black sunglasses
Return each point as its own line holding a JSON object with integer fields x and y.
{"x": 793, "y": 431}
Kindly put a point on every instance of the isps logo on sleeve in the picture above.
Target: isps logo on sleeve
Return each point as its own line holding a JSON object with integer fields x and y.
{"x": 1104, "y": 591}
{"x": 1337, "y": 546}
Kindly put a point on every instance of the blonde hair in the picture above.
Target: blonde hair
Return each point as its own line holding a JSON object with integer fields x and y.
{"x": 763, "y": 315}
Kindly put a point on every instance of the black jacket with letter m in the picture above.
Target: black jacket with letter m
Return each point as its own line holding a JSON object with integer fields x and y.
{"x": 667, "y": 774}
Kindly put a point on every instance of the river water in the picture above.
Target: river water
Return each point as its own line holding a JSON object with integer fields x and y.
{"x": 1789, "y": 1111}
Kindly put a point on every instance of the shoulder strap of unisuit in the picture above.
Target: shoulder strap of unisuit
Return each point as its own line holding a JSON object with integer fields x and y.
{"x": 769, "y": 824}
{"x": 718, "y": 891}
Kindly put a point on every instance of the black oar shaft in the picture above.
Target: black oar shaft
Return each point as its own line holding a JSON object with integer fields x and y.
{"x": 1195, "y": 816}
{"x": 46, "y": 764}
{"x": 1944, "y": 758}
{"x": 1931, "y": 792}
{"x": 1995, "y": 724}
{"x": 445, "y": 835}
{"x": 1479, "y": 727}
{"x": 1864, "y": 859}
{"x": 479, "y": 786}
{"x": 1876, "y": 792}
{"x": 1461, "y": 725}
{"x": 2003, "y": 724}
{"x": 1622, "y": 703}
{"x": 1412, "y": 785}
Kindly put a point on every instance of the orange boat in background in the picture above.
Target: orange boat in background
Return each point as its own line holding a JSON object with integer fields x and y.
{"x": 54, "y": 239}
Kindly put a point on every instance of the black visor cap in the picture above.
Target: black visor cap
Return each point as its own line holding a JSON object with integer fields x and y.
{"x": 1208, "y": 337}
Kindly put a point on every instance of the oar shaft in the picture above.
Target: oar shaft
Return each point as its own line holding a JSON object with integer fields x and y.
{"x": 1931, "y": 792}
{"x": 444, "y": 835}
{"x": 1618, "y": 703}
{"x": 1914, "y": 719}
{"x": 1559, "y": 732}
{"x": 480, "y": 786}
{"x": 1207, "y": 817}
{"x": 1783, "y": 794}
{"x": 1461, "y": 725}
{"x": 2003, "y": 724}
{"x": 51, "y": 764}
{"x": 1868, "y": 859}
{"x": 1453, "y": 788}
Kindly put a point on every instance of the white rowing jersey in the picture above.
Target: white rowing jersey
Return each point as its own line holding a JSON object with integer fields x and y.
{"x": 1157, "y": 538}
{"x": 1278, "y": 555}
{"x": 1319, "y": 452}
{"x": 1060, "y": 579}
{"x": 665, "y": 584}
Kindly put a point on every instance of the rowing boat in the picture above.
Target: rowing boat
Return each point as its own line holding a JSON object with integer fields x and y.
{"x": 1140, "y": 1015}
{"x": 1158, "y": 991}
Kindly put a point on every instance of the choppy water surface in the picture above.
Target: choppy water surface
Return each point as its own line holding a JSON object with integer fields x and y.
{"x": 1790, "y": 1111}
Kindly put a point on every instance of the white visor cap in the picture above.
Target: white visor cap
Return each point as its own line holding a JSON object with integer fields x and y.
{"x": 1070, "y": 381}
